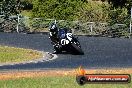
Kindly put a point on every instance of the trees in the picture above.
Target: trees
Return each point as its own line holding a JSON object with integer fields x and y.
{"x": 13, "y": 7}
{"x": 58, "y": 9}
{"x": 94, "y": 11}
{"x": 9, "y": 7}
{"x": 8, "y": 22}
{"x": 121, "y": 3}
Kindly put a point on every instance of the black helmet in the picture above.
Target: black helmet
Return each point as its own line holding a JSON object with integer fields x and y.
{"x": 53, "y": 28}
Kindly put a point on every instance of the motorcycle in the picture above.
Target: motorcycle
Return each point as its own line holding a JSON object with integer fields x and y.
{"x": 67, "y": 43}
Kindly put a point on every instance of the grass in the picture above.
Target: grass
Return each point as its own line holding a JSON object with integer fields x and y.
{"x": 11, "y": 54}
{"x": 54, "y": 82}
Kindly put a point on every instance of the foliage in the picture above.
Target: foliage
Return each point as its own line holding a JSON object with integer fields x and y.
{"x": 94, "y": 12}
{"x": 121, "y": 3}
{"x": 9, "y": 7}
{"x": 83, "y": 11}
{"x": 118, "y": 16}
{"x": 57, "y": 9}
{"x": 38, "y": 25}
{"x": 25, "y": 5}
{"x": 13, "y": 7}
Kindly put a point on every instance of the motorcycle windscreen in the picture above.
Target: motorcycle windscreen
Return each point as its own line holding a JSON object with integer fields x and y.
{"x": 62, "y": 34}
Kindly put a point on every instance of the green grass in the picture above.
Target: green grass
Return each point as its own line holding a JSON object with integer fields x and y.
{"x": 11, "y": 54}
{"x": 54, "y": 82}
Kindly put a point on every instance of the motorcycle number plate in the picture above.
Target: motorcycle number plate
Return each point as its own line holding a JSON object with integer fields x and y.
{"x": 64, "y": 41}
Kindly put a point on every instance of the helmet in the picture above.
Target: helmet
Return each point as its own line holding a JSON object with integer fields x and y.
{"x": 53, "y": 28}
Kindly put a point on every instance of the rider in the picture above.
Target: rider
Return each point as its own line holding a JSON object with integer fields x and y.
{"x": 54, "y": 36}
{"x": 53, "y": 31}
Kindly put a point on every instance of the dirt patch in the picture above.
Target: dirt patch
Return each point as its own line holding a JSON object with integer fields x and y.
{"x": 52, "y": 73}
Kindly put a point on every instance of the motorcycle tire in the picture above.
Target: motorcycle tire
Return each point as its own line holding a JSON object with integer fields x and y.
{"x": 57, "y": 50}
{"x": 76, "y": 50}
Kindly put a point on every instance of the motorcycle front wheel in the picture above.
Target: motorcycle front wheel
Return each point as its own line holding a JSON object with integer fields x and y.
{"x": 57, "y": 50}
{"x": 76, "y": 50}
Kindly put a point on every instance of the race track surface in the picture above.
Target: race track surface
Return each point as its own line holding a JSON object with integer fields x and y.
{"x": 100, "y": 52}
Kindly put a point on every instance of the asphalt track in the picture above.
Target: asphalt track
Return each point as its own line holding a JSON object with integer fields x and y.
{"x": 100, "y": 52}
